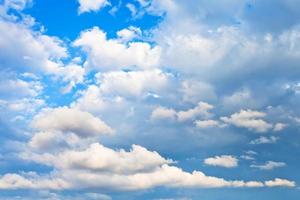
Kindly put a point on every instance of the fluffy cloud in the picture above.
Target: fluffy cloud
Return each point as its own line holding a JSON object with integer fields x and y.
{"x": 91, "y": 5}
{"x": 249, "y": 119}
{"x": 265, "y": 140}
{"x": 134, "y": 170}
{"x": 20, "y": 88}
{"x": 279, "y": 126}
{"x": 269, "y": 165}
{"x": 133, "y": 83}
{"x": 163, "y": 113}
{"x": 99, "y": 158}
{"x": 70, "y": 120}
{"x": 105, "y": 54}
{"x": 195, "y": 91}
{"x": 280, "y": 182}
{"x": 129, "y": 33}
{"x": 35, "y": 51}
{"x": 202, "y": 109}
{"x": 227, "y": 161}
{"x": 206, "y": 123}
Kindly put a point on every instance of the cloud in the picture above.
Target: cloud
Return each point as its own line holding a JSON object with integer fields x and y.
{"x": 202, "y": 109}
{"x": 72, "y": 120}
{"x": 163, "y": 113}
{"x": 227, "y": 161}
{"x": 94, "y": 101}
{"x": 98, "y": 158}
{"x": 137, "y": 169}
{"x": 129, "y": 33}
{"x": 133, "y": 83}
{"x": 20, "y": 88}
{"x": 91, "y": 5}
{"x": 195, "y": 91}
{"x": 247, "y": 157}
{"x": 265, "y": 140}
{"x": 106, "y": 54}
{"x": 269, "y": 165}
{"x": 249, "y": 119}
{"x": 279, "y": 126}
{"x": 206, "y": 123}
{"x": 280, "y": 182}
{"x": 36, "y": 52}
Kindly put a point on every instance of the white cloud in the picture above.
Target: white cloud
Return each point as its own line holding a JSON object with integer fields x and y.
{"x": 227, "y": 161}
{"x": 206, "y": 123}
{"x": 249, "y": 119}
{"x": 279, "y": 126}
{"x": 91, "y": 5}
{"x": 280, "y": 182}
{"x": 247, "y": 157}
{"x": 70, "y": 120}
{"x": 99, "y": 158}
{"x": 163, "y": 113}
{"x": 269, "y": 165}
{"x": 202, "y": 109}
{"x": 36, "y": 53}
{"x": 133, "y": 83}
{"x": 17, "y": 88}
{"x": 94, "y": 101}
{"x": 265, "y": 140}
{"x": 195, "y": 91}
{"x": 129, "y": 33}
{"x": 15, "y": 4}
{"x": 105, "y": 54}
{"x": 35, "y": 50}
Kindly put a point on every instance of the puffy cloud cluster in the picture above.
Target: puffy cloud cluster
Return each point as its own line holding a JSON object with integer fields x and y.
{"x": 202, "y": 109}
{"x": 269, "y": 165}
{"x": 249, "y": 119}
{"x": 107, "y": 54}
{"x": 213, "y": 57}
{"x": 96, "y": 166}
{"x": 91, "y": 5}
{"x": 227, "y": 161}
{"x": 265, "y": 140}
{"x": 70, "y": 120}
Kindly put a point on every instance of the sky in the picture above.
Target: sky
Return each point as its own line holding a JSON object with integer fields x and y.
{"x": 149, "y": 99}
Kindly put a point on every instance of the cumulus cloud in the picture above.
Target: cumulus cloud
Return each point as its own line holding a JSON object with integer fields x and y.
{"x": 70, "y": 120}
{"x": 280, "y": 182}
{"x": 102, "y": 159}
{"x": 265, "y": 140}
{"x": 163, "y": 113}
{"x": 279, "y": 126}
{"x": 134, "y": 170}
{"x": 195, "y": 91}
{"x": 206, "y": 123}
{"x": 129, "y": 33}
{"x": 20, "y": 88}
{"x": 202, "y": 109}
{"x": 36, "y": 52}
{"x": 227, "y": 161}
{"x": 133, "y": 83}
{"x": 91, "y": 5}
{"x": 106, "y": 54}
{"x": 250, "y": 119}
{"x": 269, "y": 165}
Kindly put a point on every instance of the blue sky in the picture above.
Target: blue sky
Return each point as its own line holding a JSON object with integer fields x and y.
{"x": 149, "y": 99}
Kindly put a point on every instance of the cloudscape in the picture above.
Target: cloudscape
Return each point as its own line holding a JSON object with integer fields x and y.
{"x": 149, "y": 99}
